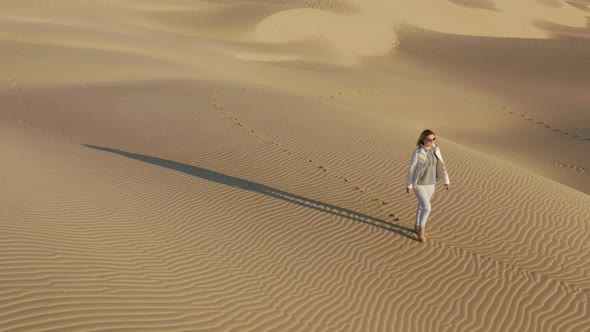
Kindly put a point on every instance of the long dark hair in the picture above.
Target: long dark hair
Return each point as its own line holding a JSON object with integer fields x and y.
{"x": 423, "y": 136}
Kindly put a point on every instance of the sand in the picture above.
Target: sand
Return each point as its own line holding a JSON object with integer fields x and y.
{"x": 240, "y": 165}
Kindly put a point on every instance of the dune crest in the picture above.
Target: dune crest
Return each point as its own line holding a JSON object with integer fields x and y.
{"x": 356, "y": 35}
{"x": 474, "y": 18}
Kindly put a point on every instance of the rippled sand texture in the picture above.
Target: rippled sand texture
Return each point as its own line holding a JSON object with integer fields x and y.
{"x": 188, "y": 165}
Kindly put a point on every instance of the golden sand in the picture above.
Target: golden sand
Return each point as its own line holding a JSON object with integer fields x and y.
{"x": 240, "y": 165}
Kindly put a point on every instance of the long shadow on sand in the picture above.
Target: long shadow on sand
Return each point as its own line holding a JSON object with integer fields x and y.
{"x": 262, "y": 189}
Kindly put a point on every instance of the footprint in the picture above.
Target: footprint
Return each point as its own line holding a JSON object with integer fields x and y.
{"x": 379, "y": 201}
{"x": 392, "y": 217}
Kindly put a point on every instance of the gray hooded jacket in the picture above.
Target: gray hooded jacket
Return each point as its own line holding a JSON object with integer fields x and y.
{"x": 418, "y": 162}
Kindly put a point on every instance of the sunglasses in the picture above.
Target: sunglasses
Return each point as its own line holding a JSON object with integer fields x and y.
{"x": 431, "y": 139}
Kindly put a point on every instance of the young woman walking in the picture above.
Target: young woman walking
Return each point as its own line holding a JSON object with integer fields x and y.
{"x": 426, "y": 169}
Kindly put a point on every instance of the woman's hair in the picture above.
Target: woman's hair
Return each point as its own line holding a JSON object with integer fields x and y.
{"x": 423, "y": 136}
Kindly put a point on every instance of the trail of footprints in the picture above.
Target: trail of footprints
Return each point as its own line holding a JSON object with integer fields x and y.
{"x": 526, "y": 117}
{"x": 18, "y": 92}
{"x": 495, "y": 107}
{"x": 355, "y": 187}
{"x": 567, "y": 166}
{"x": 547, "y": 126}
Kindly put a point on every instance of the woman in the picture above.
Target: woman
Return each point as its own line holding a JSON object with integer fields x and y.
{"x": 426, "y": 169}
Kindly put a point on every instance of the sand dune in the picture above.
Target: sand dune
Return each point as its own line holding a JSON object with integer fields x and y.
{"x": 217, "y": 165}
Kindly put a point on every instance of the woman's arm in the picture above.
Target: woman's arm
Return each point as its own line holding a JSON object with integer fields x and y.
{"x": 442, "y": 169}
{"x": 411, "y": 170}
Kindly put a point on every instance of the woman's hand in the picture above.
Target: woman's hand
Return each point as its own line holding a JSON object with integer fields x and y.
{"x": 408, "y": 191}
{"x": 447, "y": 186}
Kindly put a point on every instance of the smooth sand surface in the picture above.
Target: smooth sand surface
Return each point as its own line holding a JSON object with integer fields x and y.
{"x": 187, "y": 165}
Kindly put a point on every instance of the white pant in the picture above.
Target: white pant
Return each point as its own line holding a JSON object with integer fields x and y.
{"x": 424, "y": 194}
